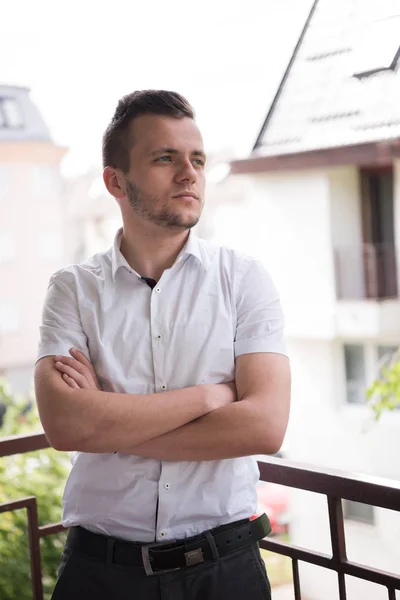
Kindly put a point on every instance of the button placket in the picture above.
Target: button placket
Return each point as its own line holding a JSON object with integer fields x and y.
{"x": 157, "y": 337}
{"x": 167, "y": 487}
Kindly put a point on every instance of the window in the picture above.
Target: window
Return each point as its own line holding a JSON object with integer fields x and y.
{"x": 379, "y": 251}
{"x": 386, "y": 353}
{"x": 10, "y": 114}
{"x": 355, "y": 373}
{"x": 357, "y": 511}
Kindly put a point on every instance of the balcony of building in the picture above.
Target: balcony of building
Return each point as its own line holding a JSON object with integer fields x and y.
{"x": 367, "y": 291}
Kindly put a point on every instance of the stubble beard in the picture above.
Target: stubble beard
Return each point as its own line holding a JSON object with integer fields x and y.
{"x": 147, "y": 208}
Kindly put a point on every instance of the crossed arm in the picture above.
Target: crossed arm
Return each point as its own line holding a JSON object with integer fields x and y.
{"x": 255, "y": 424}
{"x": 198, "y": 423}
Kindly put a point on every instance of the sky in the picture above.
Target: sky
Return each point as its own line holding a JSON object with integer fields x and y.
{"x": 79, "y": 57}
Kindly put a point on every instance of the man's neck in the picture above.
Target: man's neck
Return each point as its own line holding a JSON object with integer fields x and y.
{"x": 150, "y": 249}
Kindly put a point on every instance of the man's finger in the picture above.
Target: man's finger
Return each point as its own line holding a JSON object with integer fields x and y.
{"x": 71, "y": 382}
{"x": 88, "y": 377}
{"x": 73, "y": 373}
{"x": 79, "y": 356}
{"x": 73, "y": 363}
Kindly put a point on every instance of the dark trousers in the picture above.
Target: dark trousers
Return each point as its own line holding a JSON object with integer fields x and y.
{"x": 240, "y": 575}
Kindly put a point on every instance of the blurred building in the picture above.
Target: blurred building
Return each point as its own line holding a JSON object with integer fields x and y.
{"x": 32, "y": 229}
{"x": 322, "y": 209}
{"x": 94, "y": 215}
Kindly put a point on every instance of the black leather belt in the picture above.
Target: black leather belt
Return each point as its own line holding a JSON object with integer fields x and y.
{"x": 161, "y": 557}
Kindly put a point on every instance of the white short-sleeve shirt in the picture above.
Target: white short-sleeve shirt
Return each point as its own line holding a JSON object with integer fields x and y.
{"x": 212, "y": 305}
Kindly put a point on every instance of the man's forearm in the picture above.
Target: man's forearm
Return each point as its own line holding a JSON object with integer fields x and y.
{"x": 90, "y": 420}
{"x": 240, "y": 429}
{"x": 95, "y": 421}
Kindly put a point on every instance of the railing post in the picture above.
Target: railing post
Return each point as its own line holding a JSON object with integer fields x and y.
{"x": 338, "y": 541}
{"x": 34, "y": 550}
{"x": 296, "y": 579}
{"x": 29, "y": 503}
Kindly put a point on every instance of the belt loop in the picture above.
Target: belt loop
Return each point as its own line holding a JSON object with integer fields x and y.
{"x": 211, "y": 543}
{"x": 110, "y": 552}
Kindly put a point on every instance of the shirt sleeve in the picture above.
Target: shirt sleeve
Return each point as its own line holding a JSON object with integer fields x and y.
{"x": 260, "y": 322}
{"x": 61, "y": 327}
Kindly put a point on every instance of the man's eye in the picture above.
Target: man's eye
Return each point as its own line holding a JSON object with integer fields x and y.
{"x": 199, "y": 161}
{"x": 163, "y": 159}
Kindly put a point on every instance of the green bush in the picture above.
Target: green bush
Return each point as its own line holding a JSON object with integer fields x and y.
{"x": 41, "y": 474}
{"x": 384, "y": 393}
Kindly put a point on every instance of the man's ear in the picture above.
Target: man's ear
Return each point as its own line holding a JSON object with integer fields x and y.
{"x": 114, "y": 182}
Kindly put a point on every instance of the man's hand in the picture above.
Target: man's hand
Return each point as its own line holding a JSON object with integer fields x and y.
{"x": 78, "y": 372}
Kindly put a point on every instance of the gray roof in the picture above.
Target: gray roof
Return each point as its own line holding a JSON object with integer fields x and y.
{"x": 342, "y": 86}
{"x": 19, "y": 117}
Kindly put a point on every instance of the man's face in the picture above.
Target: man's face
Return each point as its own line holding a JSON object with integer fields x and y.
{"x": 165, "y": 182}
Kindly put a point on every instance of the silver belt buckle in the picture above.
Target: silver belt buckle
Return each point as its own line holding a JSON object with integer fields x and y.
{"x": 146, "y": 559}
{"x": 193, "y": 557}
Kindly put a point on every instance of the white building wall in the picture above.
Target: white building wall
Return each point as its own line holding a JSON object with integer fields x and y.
{"x": 346, "y": 225}
{"x": 293, "y": 221}
{"x": 358, "y": 318}
{"x": 345, "y": 207}
{"x": 32, "y": 215}
{"x": 286, "y": 223}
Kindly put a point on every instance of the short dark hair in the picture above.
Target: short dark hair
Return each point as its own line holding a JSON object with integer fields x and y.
{"x": 117, "y": 138}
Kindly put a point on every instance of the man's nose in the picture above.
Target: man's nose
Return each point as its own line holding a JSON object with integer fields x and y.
{"x": 186, "y": 172}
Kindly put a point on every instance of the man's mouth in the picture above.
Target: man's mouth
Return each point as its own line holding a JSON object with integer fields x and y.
{"x": 186, "y": 195}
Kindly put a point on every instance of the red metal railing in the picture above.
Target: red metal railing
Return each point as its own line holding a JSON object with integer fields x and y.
{"x": 334, "y": 485}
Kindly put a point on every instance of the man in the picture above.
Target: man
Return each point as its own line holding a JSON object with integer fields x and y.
{"x": 162, "y": 365}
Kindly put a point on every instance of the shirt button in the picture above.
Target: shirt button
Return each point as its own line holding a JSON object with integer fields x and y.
{"x": 159, "y": 337}
{"x": 158, "y": 290}
{"x": 163, "y": 533}
{"x": 163, "y": 387}
{"x": 167, "y": 486}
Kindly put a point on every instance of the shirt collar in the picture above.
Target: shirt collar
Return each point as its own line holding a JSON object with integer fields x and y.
{"x": 192, "y": 247}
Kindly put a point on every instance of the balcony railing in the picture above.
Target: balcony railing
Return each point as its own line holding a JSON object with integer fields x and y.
{"x": 335, "y": 486}
{"x": 367, "y": 271}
